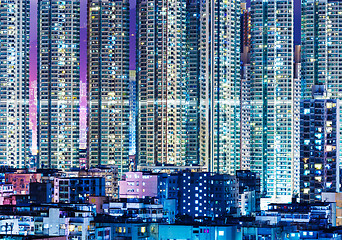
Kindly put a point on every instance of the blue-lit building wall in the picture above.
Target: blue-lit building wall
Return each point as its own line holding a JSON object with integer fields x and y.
{"x": 200, "y": 194}
{"x": 194, "y": 196}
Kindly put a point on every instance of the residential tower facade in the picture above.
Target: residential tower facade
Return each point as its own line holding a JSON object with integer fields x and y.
{"x": 161, "y": 83}
{"x": 220, "y": 86}
{"x": 321, "y": 51}
{"x": 108, "y": 83}
{"x": 272, "y": 97}
{"x": 14, "y": 80}
{"x": 58, "y": 83}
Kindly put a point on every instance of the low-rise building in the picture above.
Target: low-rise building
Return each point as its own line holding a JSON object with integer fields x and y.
{"x": 6, "y": 191}
{"x": 21, "y": 181}
{"x": 146, "y": 210}
{"x": 109, "y": 173}
{"x": 76, "y": 224}
{"x": 78, "y": 189}
{"x": 311, "y": 234}
{"x": 16, "y": 225}
{"x": 202, "y": 194}
{"x": 334, "y": 198}
{"x": 138, "y": 185}
{"x": 196, "y": 194}
{"x": 315, "y": 215}
{"x": 125, "y": 230}
{"x": 197, "y": 232}
{"x": 50, "y": 220}
{"x": 41, "y": 192}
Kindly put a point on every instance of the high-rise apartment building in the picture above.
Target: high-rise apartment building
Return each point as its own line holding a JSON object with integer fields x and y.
{"x": 188, "y": 84}
{"x": 14, "y": 79}
{"x": 321, "y": 49}
{"x": 319, "y": 146}
{"x": 220, "y": 86}
{"x": 58, "y": 83}
{"x": 272, "y": 97}
{"x": 193, "y": 31}
{"x": 321, "y": 52}
{"x": 108, "y": 83}
{"x": 161, "y": 82}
